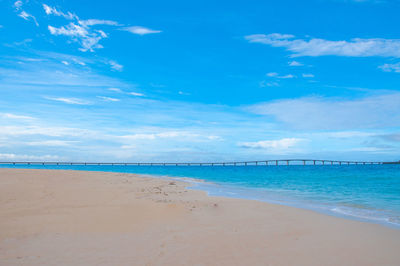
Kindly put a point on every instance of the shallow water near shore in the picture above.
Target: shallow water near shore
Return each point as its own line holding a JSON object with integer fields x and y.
{"x": 363, "y": 192}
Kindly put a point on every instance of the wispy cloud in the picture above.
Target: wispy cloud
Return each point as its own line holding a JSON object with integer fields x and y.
{"x": 25, "y": 15}
{"x": 15, "y": 117}
{"x": 280, "y": 145}
{"x": 86, "y": 32}
{"x": 66, "y": 100}
{"x": 140, "y": 30}
{"x": 391, "y": 67}
{"x": 288, "y": 76}
{"x": 305, "y": 75}
{"x": 272, "y": 74}
{"x": 168, "y": 135}
{"x": 53, "y": 11}
{"x": 295, "y": 63}
{"x": 108, "y": 99}
{"x": 46, "y": 68}
{"x": 18, "y": 4}
{"x": 79, "y": 31}
{"x": 16, "y": 157}
{"x": 115, "y": 89}
{"x": 318, "y": 113}
{"x": 115, "y": 66}
{"x": 92, "y": 22}
{"x": 71, "y": 30}
{"x": 48, "y": 131}
{"x": 356, "y": 47}
{"x": 54, "y": 143}
{"x": 89, "y": 39}
{"x": 22, "y": 13}
{"x": 276, "y": 75}
{"x": 136, "y": 94}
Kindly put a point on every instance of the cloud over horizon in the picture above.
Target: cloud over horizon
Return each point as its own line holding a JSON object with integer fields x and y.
{"x": 274, "y": 146}
{"x": 320, "y": 113}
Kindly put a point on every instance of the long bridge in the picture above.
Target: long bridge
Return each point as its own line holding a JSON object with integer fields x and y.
{"x": 238, "y": 163}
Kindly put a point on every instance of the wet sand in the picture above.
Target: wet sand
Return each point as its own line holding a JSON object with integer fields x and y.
{"x": 59, "y": 217}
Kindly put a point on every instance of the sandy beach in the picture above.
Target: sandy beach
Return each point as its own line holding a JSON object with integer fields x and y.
{"x": 57, "y": 217}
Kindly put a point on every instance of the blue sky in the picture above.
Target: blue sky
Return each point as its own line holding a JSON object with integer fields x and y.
{"x": 199, "y": 81}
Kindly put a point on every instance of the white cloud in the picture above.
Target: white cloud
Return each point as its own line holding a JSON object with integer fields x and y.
{"x": 79, "y": 31}
{"x": 129, "y": 93}
{"x": 65, "y": 63}
{"x": 13, "y": 116}
{"x": 68, "y": 100}
{"x": 82, "y": 32}
{"x": 114, "y": 65}
{"x": 152, "y": 136}
{"x": 88, "y": 40}
{"x": 136, "y": 94}
{"x": 276, "y": 75}
{"x": 115, "y": 89}
{"x": 28, "y": 17}
{"x": 51, "y": 72}
{"x": 129, "y": 146}
{"x": 140, "y": 30}
{"x": 334, "y": 114}
{"x": 295, "y": 63}
{"x": 347, "y": 134}
{"x": 370, "y": 149}
{"x": 102, "y": 33}
{"x": 70, "y": 30}
{"x": 272, "y": 74}
{"x": 22, "y": 13}
{"x": 44, "y": 131}
{"x": 215, "y": 138}
{"x": 92, "y": 22}
{"x": 307, "y": 75}
{"x": 79, "y": 62}
{"x": 53, "y": 11}
{"x": 15, "y": 157}
{"x": 18, "y": 5}
{"x": 179, "y": 135}
{"x": 356, "y": 47}
{"x": 54, "y": 143}
{"x": 108, "y": 99}
{"x": 272, "y": 145}
{"x": 289, "y": 76}
{"x": 391, "y": 67}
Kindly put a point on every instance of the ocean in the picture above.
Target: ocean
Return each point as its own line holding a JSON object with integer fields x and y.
{"x": 363, "y": 192}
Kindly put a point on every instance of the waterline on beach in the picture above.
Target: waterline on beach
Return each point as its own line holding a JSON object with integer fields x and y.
{"x": 368, "y": 193}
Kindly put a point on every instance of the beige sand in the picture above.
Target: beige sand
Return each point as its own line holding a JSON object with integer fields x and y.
{"x": 53, "y": 217}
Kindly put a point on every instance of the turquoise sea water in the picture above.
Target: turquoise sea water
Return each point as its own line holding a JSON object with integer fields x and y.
{"x": 363, "y": 192}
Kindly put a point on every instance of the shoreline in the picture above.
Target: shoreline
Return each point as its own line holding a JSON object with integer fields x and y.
{"x": 108, "y": 218}
{"x": 231, "y": 191}
{"x": 318, "y": 208}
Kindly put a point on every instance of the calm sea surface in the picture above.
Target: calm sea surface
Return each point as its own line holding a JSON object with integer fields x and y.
{"x": 363, "y": 192}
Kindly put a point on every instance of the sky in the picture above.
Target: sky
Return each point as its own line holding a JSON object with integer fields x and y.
{"x": 199, "y": 81}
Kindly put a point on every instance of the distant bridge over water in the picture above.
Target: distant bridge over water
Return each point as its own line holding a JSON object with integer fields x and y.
{"x": 238, "y": 163}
